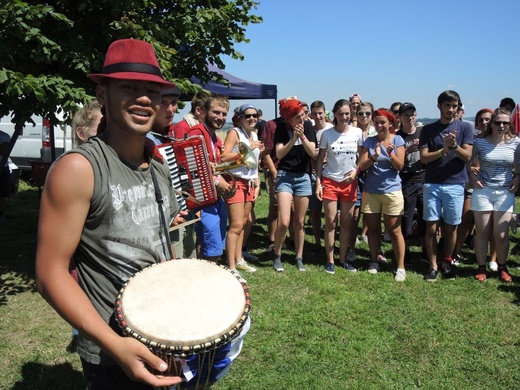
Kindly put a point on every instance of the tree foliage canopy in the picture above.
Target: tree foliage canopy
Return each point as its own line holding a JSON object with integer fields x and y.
{"x": 49, "y": 49}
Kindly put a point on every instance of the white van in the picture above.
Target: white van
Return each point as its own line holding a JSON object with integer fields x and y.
{"x": 34, "y": 141}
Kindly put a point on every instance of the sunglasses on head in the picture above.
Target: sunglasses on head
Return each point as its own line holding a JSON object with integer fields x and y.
{"x": 364, "y": 113}
{"x": 247, "y": 116}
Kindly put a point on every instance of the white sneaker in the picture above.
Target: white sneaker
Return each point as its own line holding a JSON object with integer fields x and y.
{"x": 373, "y": 268}
{"x": 243, "y": 266}
{"x": 249, "y": 256}
{"x": 493, "y": 266}
{"x": 238, "y": 275}
{"x": 400, "y": 275}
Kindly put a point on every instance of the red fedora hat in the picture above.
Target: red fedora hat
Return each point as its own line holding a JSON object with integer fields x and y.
{"x": 131, "y": 59}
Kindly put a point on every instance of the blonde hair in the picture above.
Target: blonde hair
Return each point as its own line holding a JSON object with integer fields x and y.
{"x": 84, "y": 118}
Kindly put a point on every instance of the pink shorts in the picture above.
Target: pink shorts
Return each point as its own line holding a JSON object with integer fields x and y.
{"x": 335, "y": 190}
{"x": 244, "y": 191}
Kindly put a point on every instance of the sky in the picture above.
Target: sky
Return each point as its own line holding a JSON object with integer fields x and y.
{"x": 386, "y": 51}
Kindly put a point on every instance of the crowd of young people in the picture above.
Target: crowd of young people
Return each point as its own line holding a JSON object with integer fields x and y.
{"x": 99, "y": 216}
{"x": 412, "y": 179}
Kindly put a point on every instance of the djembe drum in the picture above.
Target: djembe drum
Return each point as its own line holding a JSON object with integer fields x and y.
{"x": 184, "y": 309}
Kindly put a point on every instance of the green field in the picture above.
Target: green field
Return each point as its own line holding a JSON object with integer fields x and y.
{"x": 309, "y": 330}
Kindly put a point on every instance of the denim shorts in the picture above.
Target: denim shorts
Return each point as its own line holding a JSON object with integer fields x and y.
{"x": 443, "y": 200}
{"x": 298, "y": 184}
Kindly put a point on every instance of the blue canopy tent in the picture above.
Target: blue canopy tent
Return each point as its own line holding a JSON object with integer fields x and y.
{"x": 239, "y": 89}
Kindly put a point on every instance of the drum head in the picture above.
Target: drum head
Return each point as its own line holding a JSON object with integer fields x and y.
{"x": 185, "y": 303}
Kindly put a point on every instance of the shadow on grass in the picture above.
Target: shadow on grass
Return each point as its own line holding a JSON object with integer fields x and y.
{"x": 56, "y": 377}
{"x": 18, "y": 244}
{"x": 512, "y": 288}
{"x": 12, "y": 283}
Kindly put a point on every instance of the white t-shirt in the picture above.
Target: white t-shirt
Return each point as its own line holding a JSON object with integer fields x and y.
{"x": 320, "y": 132}
{"x": 342, "y": 149}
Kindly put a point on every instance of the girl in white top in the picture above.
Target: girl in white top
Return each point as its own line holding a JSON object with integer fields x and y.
{"x": 247, "y": 185}
{"x": 337, "y": 181}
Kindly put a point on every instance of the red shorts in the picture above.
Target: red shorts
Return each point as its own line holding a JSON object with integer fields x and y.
{"x": 244, "y": 191}
{"x": 335, "y": 190}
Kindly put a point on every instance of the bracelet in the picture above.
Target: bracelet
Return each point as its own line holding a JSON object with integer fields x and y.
{"x": 441, "y": 152}
{"x": 303, "y": 137}
{"x": 392, "y": 154}
{"x": 454, "y": 147}
{"x": 217, "y": 179}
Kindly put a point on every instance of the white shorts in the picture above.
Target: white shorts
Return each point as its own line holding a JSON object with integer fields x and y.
{"x": 492, "y": 199}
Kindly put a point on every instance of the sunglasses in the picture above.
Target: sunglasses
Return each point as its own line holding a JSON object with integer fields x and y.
{"x": 364, "y": 113}
{"x": 498, "y": 123}
{"x": 247, "y": 116}
{"x": 395, "y": 112}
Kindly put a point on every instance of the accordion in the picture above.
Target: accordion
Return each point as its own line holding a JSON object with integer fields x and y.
{"x": 191, "y": 173}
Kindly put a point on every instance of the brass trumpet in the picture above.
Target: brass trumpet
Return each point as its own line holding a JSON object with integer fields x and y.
{"x": 244, "y": 156}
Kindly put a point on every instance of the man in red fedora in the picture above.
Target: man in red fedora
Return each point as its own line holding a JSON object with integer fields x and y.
{"x": 107, "y": 205}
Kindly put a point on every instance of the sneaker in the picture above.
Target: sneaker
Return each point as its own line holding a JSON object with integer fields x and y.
{"x": 373, "y": 268}
{"x": 400, "y": 275}
{"x": 493, "y": 266}
{"x": 504, "y": 274}
{"x": 481, "y": 273}
{"x": 243, "y": 266}
{"x": 249, "y": 256}
{"x": 431, "y": 275}
{"x": 299, "y": 264}
{"x": 348, "y": 267}
{"x": 351, "y": 255}
{"x": 238, "y": 275}
{"x": 330, "y": 268}
{"x": 446, "y": 270}
{"x": 364, "y": 237}
{"x": 381, "y": 258}
{"x": 456, "y": 260}
{"x": 277, "y": 264}
{"x": 270, "y": 248}
{"x": 386, "y": 237}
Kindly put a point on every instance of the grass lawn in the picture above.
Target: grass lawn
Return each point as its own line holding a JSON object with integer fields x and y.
{"x": 310, "y": 330}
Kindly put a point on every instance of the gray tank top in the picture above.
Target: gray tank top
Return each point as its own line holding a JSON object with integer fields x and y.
{"x": 122, "y": 234}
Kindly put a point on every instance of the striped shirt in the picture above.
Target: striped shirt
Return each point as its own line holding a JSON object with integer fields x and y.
{"x": 496, "y": 161}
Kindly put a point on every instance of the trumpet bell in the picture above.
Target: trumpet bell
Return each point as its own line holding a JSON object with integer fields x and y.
{"x": 244, "y": 156}
{"x": 247, "y": 156}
